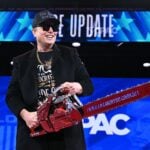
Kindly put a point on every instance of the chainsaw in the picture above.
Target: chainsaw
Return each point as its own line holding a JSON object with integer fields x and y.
{"x": 61, "y": 111}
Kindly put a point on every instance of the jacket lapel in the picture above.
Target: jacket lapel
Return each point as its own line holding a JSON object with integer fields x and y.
{"x": 33, "y": 76}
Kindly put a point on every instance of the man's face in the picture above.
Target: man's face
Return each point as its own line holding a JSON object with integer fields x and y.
{"x": 45, "y": 35}
{"x": 139, "y": 123}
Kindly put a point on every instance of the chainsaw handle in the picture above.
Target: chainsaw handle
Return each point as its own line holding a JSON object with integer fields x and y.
{"x": 64, "y": 90}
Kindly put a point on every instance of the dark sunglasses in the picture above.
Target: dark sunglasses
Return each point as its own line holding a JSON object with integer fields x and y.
{"x": 46, "y": 25}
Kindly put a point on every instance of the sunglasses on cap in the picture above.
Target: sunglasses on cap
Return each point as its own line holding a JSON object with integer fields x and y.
{"x": 47, "y": 24}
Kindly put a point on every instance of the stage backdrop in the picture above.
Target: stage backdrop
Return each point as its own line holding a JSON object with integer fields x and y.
{"x": 124, "y": 128}
{"x": 82, "y": 25}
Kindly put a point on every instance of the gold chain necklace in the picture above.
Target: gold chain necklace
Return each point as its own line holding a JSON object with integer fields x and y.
{"x": 47, "y": 64}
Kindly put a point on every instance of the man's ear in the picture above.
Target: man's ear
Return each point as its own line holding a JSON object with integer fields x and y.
{"x": 33, "y": 32}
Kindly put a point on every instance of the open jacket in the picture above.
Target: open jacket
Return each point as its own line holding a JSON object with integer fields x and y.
{"x": 22, "y": 90}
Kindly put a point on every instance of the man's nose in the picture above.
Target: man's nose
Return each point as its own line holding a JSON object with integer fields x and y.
{"x": 50, "y": 29}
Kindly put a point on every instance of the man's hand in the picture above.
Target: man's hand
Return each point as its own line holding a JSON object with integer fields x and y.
{"x": 30, "y": 118}
{"x": 72, "y": 87}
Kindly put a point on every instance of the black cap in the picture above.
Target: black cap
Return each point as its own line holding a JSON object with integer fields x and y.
{"x": 44, "y": 16}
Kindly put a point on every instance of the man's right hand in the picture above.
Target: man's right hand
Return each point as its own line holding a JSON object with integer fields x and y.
{"x": 30, "y": 118}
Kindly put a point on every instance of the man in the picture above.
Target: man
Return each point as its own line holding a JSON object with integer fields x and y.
{"x": 35, "y": 75}
{"x": 139, "y": 125}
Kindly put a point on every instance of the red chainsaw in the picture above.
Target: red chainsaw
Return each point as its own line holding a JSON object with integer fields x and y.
{"x": 61, "y": 111}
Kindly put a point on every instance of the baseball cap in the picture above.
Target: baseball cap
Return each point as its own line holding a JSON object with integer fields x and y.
{"x": 45, "y": 17}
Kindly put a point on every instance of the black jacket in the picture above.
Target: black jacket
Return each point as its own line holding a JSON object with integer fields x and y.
{"x": 22, "y": 93}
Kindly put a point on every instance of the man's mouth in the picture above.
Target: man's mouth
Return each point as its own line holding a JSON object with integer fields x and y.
{"x": 49, "y": 37}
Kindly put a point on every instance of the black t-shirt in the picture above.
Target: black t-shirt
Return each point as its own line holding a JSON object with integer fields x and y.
{"x": 46, "y": 81}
